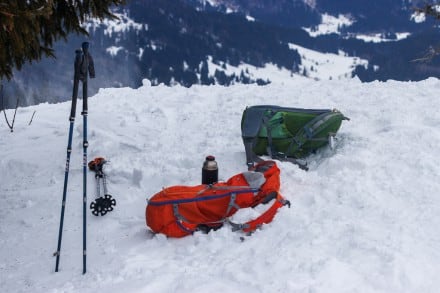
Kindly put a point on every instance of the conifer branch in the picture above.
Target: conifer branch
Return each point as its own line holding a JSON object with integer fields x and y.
{"x": 28, "y": 29}
{"x": 433, "y": 10}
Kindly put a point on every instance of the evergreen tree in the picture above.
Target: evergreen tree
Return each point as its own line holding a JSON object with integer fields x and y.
{"x": 28, "y": 28}
{"x": 431, "y": 10}
{"x": 204, "y": 74}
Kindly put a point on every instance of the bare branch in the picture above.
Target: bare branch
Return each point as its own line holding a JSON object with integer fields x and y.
{"x": 32, "y": 117}
{"x": 430, "y": 53}
{"x": 11, "y": 126}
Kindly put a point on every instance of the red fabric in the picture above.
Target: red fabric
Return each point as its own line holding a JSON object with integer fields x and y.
{"x": 212, "y": 207}
{"x": 265, "y": 217}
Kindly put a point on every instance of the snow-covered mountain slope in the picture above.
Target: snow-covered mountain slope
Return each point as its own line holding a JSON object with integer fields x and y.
{"x": 168, "y": 41}
{"x": 327, "y": 65}
{"x": 364, "y": 218}
{"x": 334, "y": 25}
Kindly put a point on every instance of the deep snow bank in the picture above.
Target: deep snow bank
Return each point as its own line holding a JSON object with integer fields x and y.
{"x": 365, "y": 217}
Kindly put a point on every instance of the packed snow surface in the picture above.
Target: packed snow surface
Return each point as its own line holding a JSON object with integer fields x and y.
{"x": 364, "y": 218}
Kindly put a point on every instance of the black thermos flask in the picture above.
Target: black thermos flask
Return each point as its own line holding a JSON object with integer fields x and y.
{"x": 209, "y": 171}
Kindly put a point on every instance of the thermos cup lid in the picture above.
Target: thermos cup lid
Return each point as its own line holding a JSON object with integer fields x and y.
{"x": 210, "y": 158}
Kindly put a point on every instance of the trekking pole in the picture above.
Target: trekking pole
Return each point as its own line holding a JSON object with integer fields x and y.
{"x": 69, "y": 150}
{"x": 83, "y": 66}
{"x": 102, "y": 204}
{"x": 86, "y": 68}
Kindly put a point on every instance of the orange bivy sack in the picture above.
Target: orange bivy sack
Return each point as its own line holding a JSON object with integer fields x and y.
{"x": 178, "y": 211}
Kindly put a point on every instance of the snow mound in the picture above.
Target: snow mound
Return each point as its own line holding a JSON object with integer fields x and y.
{"x": 365, "y": 217}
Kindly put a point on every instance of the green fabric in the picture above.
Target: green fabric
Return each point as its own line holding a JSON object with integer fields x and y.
{"x": 278, "y": 128}
{"x": 287, "y": 125}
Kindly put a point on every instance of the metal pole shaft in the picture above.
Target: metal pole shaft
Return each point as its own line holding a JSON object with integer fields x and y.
{"x": 84, "y": 113}
{"x": 104, "y": 183}
{"x": 69, "y": 151}
{"x": 63, "y": 203}
{"x": 85, "y": 145}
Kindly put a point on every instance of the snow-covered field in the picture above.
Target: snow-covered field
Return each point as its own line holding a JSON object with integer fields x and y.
{"x": 364, "y": 218}
{"x": 319, "y": 65}
{"x": 332, "y": 25}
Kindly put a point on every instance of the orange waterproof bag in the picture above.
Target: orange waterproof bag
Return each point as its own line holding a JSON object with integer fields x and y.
{"x": 179, "y": 211}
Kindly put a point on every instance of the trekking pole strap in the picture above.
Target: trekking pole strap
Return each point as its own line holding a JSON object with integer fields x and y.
{"x": 270, "y": 149}
{"x": 264, "y": 218}
{"x": 186, "y": 225}
{"x": 251, "y": 157}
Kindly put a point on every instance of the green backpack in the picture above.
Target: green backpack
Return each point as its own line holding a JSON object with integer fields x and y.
{"x": 287, "y": 134}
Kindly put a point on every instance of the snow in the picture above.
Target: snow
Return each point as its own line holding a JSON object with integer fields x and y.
{"x": 418, "y": 17}
{"x": 314, "y": 64}
{"x": 378, "y": 38}
{"x": 141, "y": 51}
{"x": 327, "y": 65}
{"x": 213, "y": 3}
{"x": 268, "y": 72}
{"x": 250, "y": 18}
{"x": 113, "y": 50}
{"x": 330, "y": 25}
{"x": 121, "y": 24}
{"x": 311, "y": 3}
{"x": 364, "y": 218}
